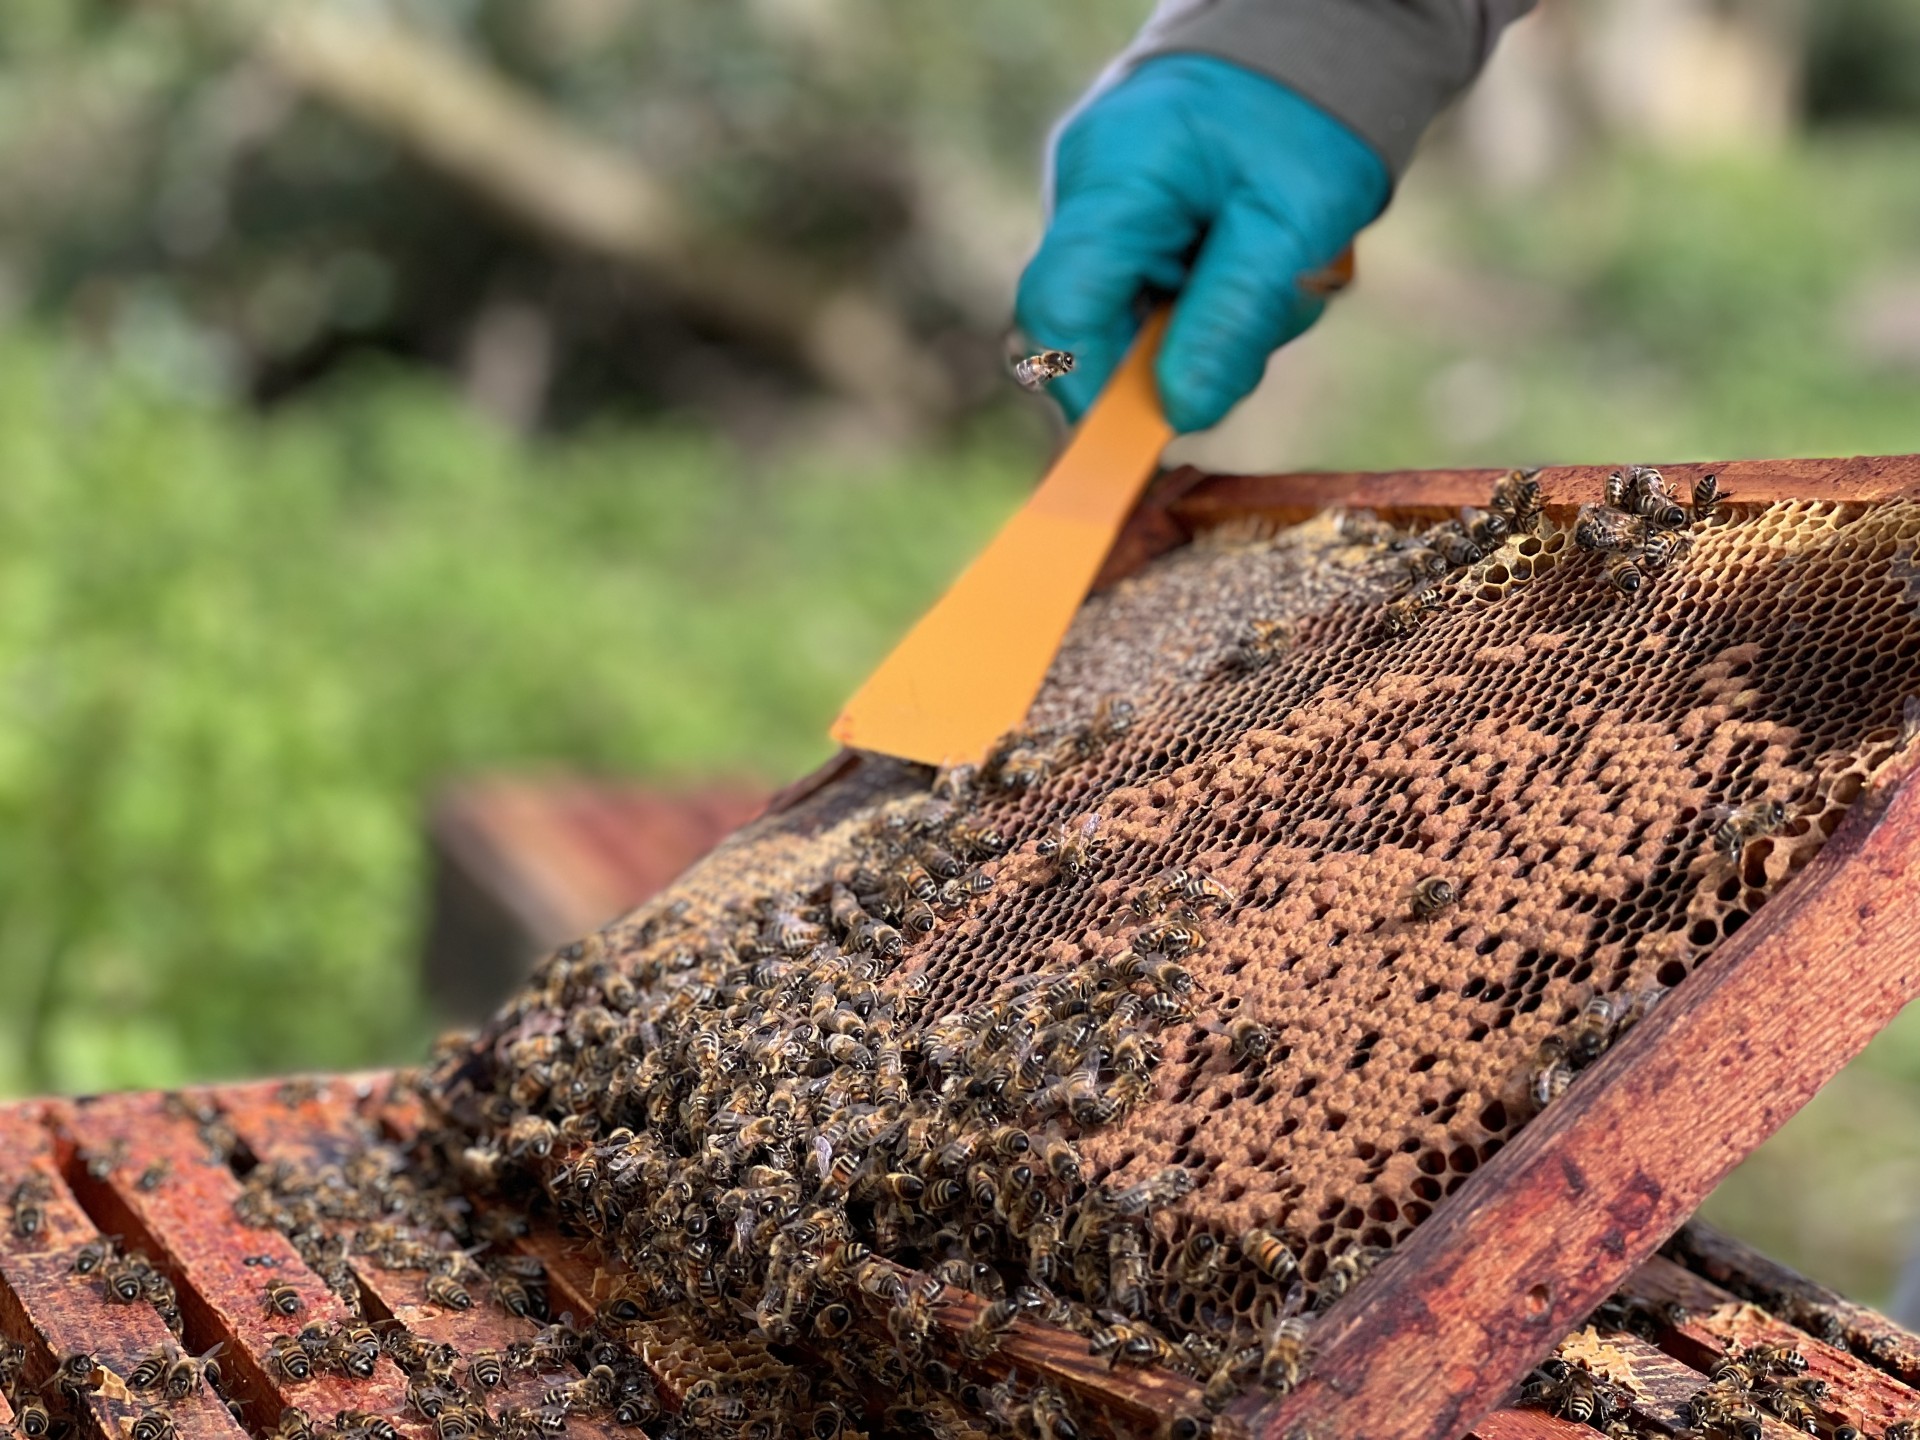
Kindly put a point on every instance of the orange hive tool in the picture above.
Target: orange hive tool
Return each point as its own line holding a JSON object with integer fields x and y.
{"x": 969, "y": 669}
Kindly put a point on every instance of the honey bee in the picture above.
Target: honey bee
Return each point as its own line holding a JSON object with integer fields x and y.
{"x": 1663, "y": 549}
{"x": 154, "y": 1176}
{"x": 1269, "y": 1254}
{"x": 1345, "y": 1271}
{"x": 1043, "y": 1250}
{"x": 1248, "y": 1039}
{"x": 1061, "y": 1161}
{"x": 154, "y": 1424}
{"x": 1196, "y": 1264}
{"x": 282, "y": 1298}
{"x": 286, "y": 1355}
{"x": 1623, "y": 573}
{"x": 1036, "y": 372}
{"x": 1608, "y": 530}
{"x": 354, "y": 1350}
{"x": 1487, "y": 529}
{"x": 1424, "y": 564}
{"x": 1725, "y": 1407}
{"x": 1551, "y": 1073}
{"x": 1122, "y": 1342}
{"x": 1432, "y": 895}
{"x": 102, "y": 1163}
{"x": 832, "y": 1321}
{"x": 1074, "y": 850}
{"x": 76, "y": 1375}
{"x": 364, "y": 1425}
{"x": 1264, "y": 642}
{"x": 1153, "y": 1193}
{"x": 983, "y": 1335}
{"x": 1450, "y": 540}
{"x": 1408, "y": 613}
{"x": 1572, "y": 1394}
{"x": 1175, "y": 937}
{"x": 1021, "y": 762}
{"x": 487, "y": 1368}
{"x": 29, "y": 1207}
{"x": 1198, "y": 891}
{"x": 1284, "y": 1361}
{"x": 514, "y": 1295}
{"x": 1051, "y": 1418}
{"x": 1517, "y": 497}
{"x": 294, "y": 1425}
{"x": 1739, "y": 826}
{"x": 31, "y": 1415}
{"x": 1707, "y": 499}
{"x": 1793, "y": 1402}
{"x": 184, "y": 1374}
{"x": 125, "y": 1278}
{"x": 1230, "y": 1377}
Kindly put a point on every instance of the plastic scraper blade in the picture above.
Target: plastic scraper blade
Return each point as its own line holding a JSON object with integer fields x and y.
{"x": 968, "y": 671}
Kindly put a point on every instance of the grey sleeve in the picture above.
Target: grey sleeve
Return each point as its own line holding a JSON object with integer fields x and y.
{"x": 1385, "y": 67}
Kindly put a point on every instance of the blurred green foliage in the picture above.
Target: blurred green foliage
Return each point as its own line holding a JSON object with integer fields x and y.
{"x": 237, "y": 654}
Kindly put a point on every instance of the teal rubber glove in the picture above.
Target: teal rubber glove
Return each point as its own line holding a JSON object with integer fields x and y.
{"x": 1191, "y": 151}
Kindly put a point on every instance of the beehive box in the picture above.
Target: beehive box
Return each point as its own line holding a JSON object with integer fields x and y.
{"x": 1288, "y": 1138}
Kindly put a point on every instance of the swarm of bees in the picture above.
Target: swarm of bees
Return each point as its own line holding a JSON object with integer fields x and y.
{"x": 1036, "y": 372}
{"x": 1641, "y": 529}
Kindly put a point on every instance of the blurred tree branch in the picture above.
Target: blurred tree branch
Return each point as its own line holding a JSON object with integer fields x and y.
{"x": 506, "y": 145}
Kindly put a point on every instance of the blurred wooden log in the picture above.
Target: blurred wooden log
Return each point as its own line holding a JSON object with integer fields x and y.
{"x": 485, "y": 133}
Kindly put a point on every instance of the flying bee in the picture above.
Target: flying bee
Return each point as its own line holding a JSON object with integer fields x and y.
{"x": 1074, "y": 850}
{"x": 1607, "y": 530}
{"x": 1269, "y": 1254}
{"x": 1740, "y": 826}
{"x": 1517, "y": 497}
{"x": 1706, "y": 499}
{"x": 1408, "y": 613}
{"x": 1264, "y": 642}
{"x": 1175, "y": 936}
{"x": 1624, "y": 573}
{"x": 282, "y": 1298}
{"x": 1432, "y": 895}
{"x": 1036, "y": 372}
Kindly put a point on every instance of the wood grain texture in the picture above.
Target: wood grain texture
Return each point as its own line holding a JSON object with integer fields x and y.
{"x": 1183, "y": 502}
{"x": 45, "y": 1306}
{"x": 1528, "y": 1425}
{"x": 1656, "y": 1385}
{"x": 1719, "y": 1321}
{"x": 1810, "y": 1305}
{"x": 320, "y": 1124}
{"x": 1547, "y": 1229}
{"x": 187, "y": 1225}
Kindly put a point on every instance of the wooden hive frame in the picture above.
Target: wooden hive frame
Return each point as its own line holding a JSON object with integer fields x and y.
{"x": 1430, "y": 1345}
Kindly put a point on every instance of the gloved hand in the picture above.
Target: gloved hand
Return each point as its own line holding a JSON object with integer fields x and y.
{"x": 1187, "y": 149}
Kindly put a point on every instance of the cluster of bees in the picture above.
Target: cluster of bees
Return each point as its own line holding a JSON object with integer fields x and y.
{"x": 762, "y": 1121}
{"x": 128, "y": 1278}
{"x": 1438, "y": 556}
{"x": 1759, "y": 1379}
{"x": 158, "y": 1381}
{"x": 371, "y": 1209}
{"x": 1640, "y": 528}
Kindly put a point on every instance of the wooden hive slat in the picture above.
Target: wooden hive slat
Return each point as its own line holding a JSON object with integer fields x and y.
{"x": 52, "y": 1311}
{"x": 1719, "y": 1321}
{"x": 319, "y": 1124}
{"x": 187, "y": 1223}
{"x": 1810, "y": 1305}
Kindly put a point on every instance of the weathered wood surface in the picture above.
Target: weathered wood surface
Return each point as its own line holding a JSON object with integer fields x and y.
{"x": 1528, "y": 1425}
{"x": 1557, "y": 1220}
{"x": 1719, "y": 1321}
{"x": 1813, "y": 1307}
{"x": 319, "y": 1124}
{"x": 54, "y": 1312}
{"x": 1184, "y": 502}
{"x": 186, "y": 1222}
{"x": 1656, "y": 1385}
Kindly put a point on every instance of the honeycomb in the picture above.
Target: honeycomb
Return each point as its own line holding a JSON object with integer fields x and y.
{"x": 1429, "y": 876}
